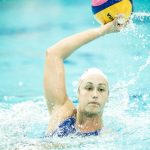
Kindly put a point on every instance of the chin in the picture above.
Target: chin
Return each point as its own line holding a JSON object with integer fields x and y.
{"x": 93, "y": 111}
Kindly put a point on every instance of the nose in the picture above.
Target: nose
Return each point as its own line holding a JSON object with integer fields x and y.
{"x": 95, "y": 94}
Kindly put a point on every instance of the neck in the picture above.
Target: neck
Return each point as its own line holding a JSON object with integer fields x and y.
{"x": 87, "y": 122}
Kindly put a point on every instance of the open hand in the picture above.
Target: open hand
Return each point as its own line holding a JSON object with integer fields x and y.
{"x": 117, "y": 24}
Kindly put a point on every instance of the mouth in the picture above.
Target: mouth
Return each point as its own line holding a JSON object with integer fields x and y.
{"x": 94, "y": 103}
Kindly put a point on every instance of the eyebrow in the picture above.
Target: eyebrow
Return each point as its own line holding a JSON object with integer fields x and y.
{"x": 98, "y": 84}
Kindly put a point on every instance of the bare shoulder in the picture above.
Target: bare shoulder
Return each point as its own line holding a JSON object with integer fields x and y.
{"x": 60, "y": 113}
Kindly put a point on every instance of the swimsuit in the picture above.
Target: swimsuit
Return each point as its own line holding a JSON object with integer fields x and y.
{"x": 67, "y": 127}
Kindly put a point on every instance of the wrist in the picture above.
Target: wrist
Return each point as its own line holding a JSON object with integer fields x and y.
{"x": 105, "y": 29}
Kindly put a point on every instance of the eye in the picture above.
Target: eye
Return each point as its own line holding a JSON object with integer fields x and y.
{"x": 101, "y": 90}
{"x": 88, "y": 88}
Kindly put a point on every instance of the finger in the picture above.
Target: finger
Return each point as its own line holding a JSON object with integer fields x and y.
{"x": 126, "y": 23}
{"x": 121, "y": 19}
{"x": 120, "y": 16}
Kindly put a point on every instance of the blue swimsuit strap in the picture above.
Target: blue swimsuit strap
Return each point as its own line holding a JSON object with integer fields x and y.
{"x": 64, "y": 129}
{"x": 94, "y": 133}
{"x": 68, "y": 127}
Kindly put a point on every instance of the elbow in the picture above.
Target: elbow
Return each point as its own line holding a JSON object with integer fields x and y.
{"x": 51, "y": 52}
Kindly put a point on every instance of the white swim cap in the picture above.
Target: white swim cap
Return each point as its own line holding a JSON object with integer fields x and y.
{"x": 91, "y": 71}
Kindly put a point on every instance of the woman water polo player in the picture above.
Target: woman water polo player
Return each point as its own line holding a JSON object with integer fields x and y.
{"x": 93, "y": 88}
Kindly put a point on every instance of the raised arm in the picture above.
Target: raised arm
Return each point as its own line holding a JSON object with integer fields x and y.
{"x": 54, "y": 79}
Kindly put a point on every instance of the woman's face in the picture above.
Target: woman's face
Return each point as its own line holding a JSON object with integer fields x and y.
{"x": 93, "y": 93}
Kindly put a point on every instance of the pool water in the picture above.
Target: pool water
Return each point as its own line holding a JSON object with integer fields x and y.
{"x": 27, "y": 28}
